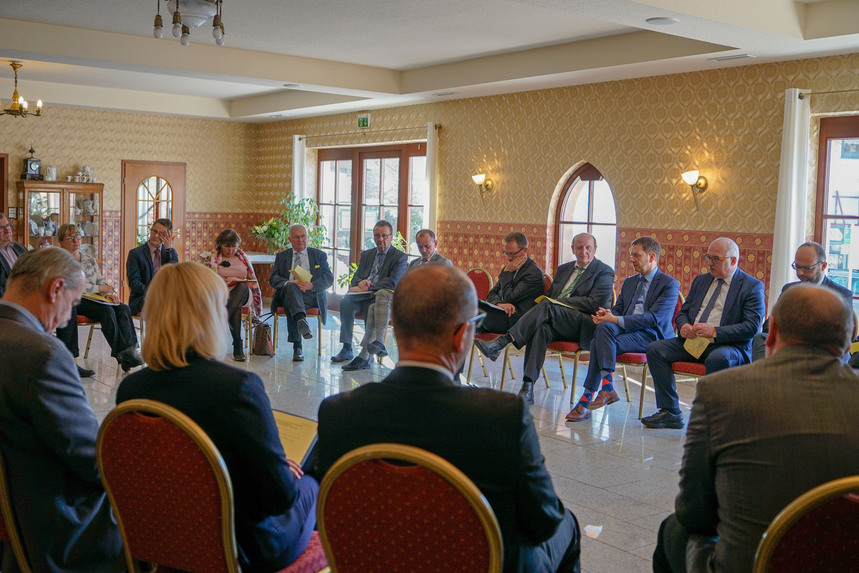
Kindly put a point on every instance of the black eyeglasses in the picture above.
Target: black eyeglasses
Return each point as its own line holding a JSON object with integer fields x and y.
{"x": 477, "y": 321}
{"x": 381, "y": 235}
{"x": 506, "y": 254}
{"x": 797, "y": 267}
{"x": 8, "y": 227}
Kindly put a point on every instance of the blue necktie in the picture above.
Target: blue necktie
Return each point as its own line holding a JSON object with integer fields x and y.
{"x": 638, "y": 296}
{"x": 374, "y": 273}
{"x": 712, "y": 302}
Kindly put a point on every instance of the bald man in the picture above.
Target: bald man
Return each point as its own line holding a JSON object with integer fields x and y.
{"x": 725, "y": 306}
{"x": 763, "y": 434}
{"x": 418, "y": 404}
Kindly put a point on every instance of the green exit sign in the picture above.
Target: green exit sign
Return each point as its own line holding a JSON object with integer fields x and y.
{"x": 364, "y": 120}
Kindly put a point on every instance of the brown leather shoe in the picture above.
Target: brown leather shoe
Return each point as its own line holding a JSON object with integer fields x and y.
{"x": 578, "y": 414}
{"x": 604, "y": 398}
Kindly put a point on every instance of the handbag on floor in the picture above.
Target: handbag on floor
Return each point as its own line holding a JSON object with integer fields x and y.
{"x": 262, "y": 345}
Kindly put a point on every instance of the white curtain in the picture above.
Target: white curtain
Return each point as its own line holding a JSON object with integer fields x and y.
{"x": 432, "y": 175}
{"x": 299, "y": 151}
{"x": 790, "y": 211}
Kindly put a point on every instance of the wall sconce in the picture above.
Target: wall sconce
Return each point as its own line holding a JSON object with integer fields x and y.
{"x": 484, "y": 185}
{"x": 698, "y": 184}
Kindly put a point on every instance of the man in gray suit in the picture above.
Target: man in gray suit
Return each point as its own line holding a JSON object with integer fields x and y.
{"x": 427, "y": 244}
{"x": 47, "y": 428}
{"x": 9, "y": 250}
{"x": 761, "y": 435}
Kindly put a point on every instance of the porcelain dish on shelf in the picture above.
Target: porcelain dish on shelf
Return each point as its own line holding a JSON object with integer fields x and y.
{"x": 88, "y": 228}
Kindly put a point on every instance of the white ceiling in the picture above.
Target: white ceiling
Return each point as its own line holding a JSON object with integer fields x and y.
{"x": 349, "y": 55}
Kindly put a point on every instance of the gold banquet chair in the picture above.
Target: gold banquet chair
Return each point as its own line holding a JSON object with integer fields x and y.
{"x": 392, "y": 507}
{"x": 9, "y": 532}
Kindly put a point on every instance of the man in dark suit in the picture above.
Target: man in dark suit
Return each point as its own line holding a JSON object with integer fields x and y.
{"x": 427, "y": 244}
{"x": 580, "y": 289}
{"x": 296, "y": 296}
{"x": 379, "y": 268}
{"x": 9, "y": 250}
{"x": 47, "y": 428}
{"x": 488, "y": 435}
{"x": 810, "y": 266}
{"x": 144, "y": 261}
{"x": 642, "y": 314}
{"x": 725, "y": 306}
{"x": 761, "y": 435}
{"x": 520, "y": 282}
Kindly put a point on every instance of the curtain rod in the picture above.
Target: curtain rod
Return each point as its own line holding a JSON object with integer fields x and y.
{"x": 437, "y": 126}
{"x": 803, "y": 94}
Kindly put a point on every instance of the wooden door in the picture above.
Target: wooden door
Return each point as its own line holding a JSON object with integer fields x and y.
{"x": 150, "y": 190}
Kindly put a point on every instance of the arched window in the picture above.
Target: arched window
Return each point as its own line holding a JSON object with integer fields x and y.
{"x": 587, "y": 207}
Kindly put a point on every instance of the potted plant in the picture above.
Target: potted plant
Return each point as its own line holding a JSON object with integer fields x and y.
{"x": 275, "y": 231}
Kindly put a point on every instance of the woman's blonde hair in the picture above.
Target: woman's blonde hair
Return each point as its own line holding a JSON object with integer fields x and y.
{"x": 185, "y": 313}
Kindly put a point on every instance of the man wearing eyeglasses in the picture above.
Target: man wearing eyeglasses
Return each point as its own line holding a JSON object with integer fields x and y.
{"x": 810, "y": 266}
{"x": 520, "y": 282}
{"x": 488, "y": 435}
{"x": 9, "y": 250}
{"x": 379, "y": 271}
{"x": 145, "y": 260}
{"x": 724, "y": 306}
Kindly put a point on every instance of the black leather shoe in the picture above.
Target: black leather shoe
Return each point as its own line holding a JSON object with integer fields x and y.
{"x": 343, "y": 356}
{"x": 664, "y": 419}
{"x": 239, "y": 356}
{"x": 357, "y": 364}
{"x": 297, "y": 355}
{"x": 304, "y": 329}
{"x": 527, "y": 392}
{"x": 129, "y": 358}
{"x": 492, "y": 348}
{"x": 376, "y": 348}
{"x": 85, "y": 373}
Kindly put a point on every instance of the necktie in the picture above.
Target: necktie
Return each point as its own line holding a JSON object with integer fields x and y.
{"x": 156, "y": 260}
{"x": 638, "y": 296}
{"x": 297, "y": 262}
{"x": 374, "y": 273}
{"x": 712, "y": 302}
{"x": 566, "y": 292}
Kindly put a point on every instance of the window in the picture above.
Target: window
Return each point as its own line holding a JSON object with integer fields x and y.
{"x": 587, "y": 207}
{"x": 359, "y": 186}
{"x": 837, "y": 209}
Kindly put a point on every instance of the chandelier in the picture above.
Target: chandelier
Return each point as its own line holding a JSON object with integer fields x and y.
{"x": 189, "y": 14}
{"x": 19, "y": 108}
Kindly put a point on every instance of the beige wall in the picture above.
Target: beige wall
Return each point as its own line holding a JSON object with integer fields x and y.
{"x": 640, "y": 133}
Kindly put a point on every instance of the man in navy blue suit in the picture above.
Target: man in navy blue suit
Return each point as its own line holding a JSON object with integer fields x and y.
{"x": 296, "y": 296}
{"x": 145, "y": 260}
{"x": 725, "y": 306}
{"x": 642, "y": 314}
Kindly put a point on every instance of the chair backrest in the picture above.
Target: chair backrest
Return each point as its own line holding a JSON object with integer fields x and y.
{"x": 680, "y": 300}
{"x": 482, "y": 282}
{"x": 424, "y": 515}
{"x": 169, "y": 488}
{"x": 9, "y": 531}
{"x": 547, "y": 283}
{"x": 815, "y": 532}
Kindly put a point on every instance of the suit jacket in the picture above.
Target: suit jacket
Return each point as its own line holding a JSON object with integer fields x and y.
{"x": 231, "y": 406}
{"x": 392, "y": 270}
{"x": 743, "y": 313}
{"x": 594, "y": 290}
{"x": 846, "y": 293}
{"x": 759, "y": 436}
{"x": 139, "y": 270}
{"x": 489, "y": 435}
{"x": 519, "y": 288}
{"x": 435, "y": 259}
{"x": 320, "y": 275}
{"x": 47, "y": 435}
{"x": 659, "y": 305}
{"x": 5, "y": 269}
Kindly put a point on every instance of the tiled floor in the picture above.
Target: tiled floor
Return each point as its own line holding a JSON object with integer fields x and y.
{"x": 619, "y": 478}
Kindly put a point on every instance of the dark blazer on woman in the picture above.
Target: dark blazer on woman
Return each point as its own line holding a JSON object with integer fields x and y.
{"x": 231, "y": 406}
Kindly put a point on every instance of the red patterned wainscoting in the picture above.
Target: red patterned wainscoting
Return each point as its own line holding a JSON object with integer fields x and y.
{"x": 471, "y": 244}
{"x": 110, "y": 255}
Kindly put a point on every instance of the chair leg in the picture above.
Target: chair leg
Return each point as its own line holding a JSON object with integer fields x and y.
{"x": 545, "y": 377}
{"x": 470, "y": 361}
{"x": 276, "y": 319}
{"x": 88, "y": 341}
{"x": 509, "y": 363}
{"x": 319, "y": 336}
{"x": 643, "y": 391}
{"x": 626, "y": 384}
{"x": 249, "y": 324}
{"x": 483, "y": 364}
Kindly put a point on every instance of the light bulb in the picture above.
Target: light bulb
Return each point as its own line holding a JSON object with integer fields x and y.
{"x": 38, "y": 105}
{"x": 220, "y": 41}
{"x": 177, "y": 24}
{"x": 217, "y": 32}
{"x": 159, "y": 27}
{"x": 24, "y": 105}
{"x": 186, "y": 36}
{"x": 690, "y": 177}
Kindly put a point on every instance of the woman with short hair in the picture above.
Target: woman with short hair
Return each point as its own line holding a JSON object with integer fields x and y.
{"x": 186, "y": 330}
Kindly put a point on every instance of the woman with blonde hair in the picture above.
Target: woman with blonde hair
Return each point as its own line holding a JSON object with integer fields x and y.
{"x": 186, "y": 333}
{"x": 232, "y": 265}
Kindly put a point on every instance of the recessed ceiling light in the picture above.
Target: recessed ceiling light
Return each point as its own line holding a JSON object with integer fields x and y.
{"x": 442, "y": 94}
{"x": 662, "y": 21}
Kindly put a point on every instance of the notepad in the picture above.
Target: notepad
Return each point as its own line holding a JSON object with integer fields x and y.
{"x": 297, "y": 435}
{"x": 100, "y": 299}
{"x": 696, "y": 346}
{"x": 301, "y": 274}
{"x": 543, "y": 297}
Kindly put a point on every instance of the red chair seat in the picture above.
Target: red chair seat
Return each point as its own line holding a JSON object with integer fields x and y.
{"x": 633, "y": 358}
{"x": 561, "y": 346}
{"x": 85, "y": 321}
{"x": 309, "y": 311}
{"x": 693, "y": 368}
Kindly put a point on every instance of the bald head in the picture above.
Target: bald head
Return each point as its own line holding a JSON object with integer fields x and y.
{"x": 430, "y": 303}
{"x": 813, "y": 316}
